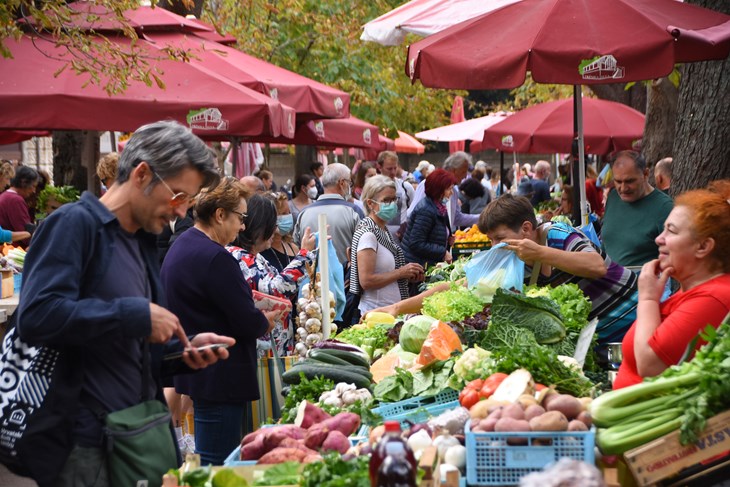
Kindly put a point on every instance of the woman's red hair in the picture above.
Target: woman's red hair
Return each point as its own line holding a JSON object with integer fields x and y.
{"x": 710, "y": 210}
{"x": 438, "y": 182}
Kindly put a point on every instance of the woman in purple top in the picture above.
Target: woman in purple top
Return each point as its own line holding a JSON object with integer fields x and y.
{"x": 206, "y": 290}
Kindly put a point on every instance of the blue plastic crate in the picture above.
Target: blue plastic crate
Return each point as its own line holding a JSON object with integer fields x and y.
{"x": 17, "y": 283}
{"x": 491, "y": 461}
{"x": 389, "y": 409}
{"x": 418, "y": 415}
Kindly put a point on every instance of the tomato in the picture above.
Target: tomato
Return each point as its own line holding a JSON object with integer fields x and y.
{"x": 491, "y": 384}
{"x": 475, "y": 384}
{"x": 468, "y": 398}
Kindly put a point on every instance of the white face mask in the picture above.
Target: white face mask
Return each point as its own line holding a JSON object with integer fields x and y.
{"x": 312, "y": 193}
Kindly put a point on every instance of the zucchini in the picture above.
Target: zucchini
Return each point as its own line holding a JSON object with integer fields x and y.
{"x": 337, "y": 374}
{"x": 351, "y": 358}
{"x": 350, "y": 368}
{"x": 322, "y": 356}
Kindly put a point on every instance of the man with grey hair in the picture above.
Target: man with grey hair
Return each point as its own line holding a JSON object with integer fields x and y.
{"x": 663, "y": 174}
{"x": 92, "y": 295}
{"x": 253, "y": 184}
{"x": 458, "y": 164}
{"x": 540, "y": 183}
{"x": 635, "y": 212}
{"x": 404, "y": 193}
{"x": 342, "y": 216}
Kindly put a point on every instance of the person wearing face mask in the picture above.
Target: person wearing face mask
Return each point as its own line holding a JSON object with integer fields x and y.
{"x": 379, "y": 273}
{"x": 342, "y": 215}
{"x": 282, "y": 249}
{"x": 304, "y": 193}
{"x": 428, "y": 237}
{"x": 261, "y": 275}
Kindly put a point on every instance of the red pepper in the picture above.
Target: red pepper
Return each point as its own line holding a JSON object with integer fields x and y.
{"x": 468, "y": 397}
{"x": 491, "y": 384}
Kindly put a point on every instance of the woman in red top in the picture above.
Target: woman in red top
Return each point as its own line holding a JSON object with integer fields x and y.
{"x": 694, "y": 249}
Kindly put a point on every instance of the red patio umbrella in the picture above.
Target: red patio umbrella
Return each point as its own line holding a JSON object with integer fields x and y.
{"x": 457, "y": 116}
{"x": 572, "y": 42}
{"x": 333, "y": 132}
{"x": 310, "y": 99}
{"x": 548, "y": 127}
{"x": 33, "y": 97}
{"x": 13, "y": 136}
{"x": 407, "y": 143}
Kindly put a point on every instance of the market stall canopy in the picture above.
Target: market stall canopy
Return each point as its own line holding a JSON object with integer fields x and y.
{"x": 548, "y": 128}
{"x": 425, "y": 17}
{"x": 408, "y": 144}
{"x": 14, "y": 136}
{"x": 37, "y": 93}
{"x": 334, "y": 132}
{"x": 570, "y": 42}
{"x": 310, "y": 99}
{"x": 467, "y": 130}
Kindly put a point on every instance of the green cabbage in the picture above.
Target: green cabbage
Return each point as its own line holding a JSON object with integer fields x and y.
{"x": 540, "y": 315}
{"x": 414, "y": 333}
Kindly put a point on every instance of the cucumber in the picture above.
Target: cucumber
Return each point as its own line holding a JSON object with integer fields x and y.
{"x": 349, "y": 368}
{"x": 337, "y": 374}
{"x": 351, "y": 358}
{"x": 322, "y": 356}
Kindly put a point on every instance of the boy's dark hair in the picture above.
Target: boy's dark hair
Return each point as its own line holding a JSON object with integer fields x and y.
{"x": 315, "y": 166}
{"x": 510, "y": 211}
{"x": 472, "y": 188}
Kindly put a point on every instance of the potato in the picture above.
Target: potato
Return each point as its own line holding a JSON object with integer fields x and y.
{"x": 336, "y": 441}
{"x": 496, "y": 414}
{"x": 376, "y": 433}
{"x": 577, "y": 425}
{"x": 479, "y": 411}
{"x": 550, "y": 421}
{"x": 548, "y": 395}
{"x": 514, "y": 411}
{"x": 585, "y": 401}
{"x": 585, "y": 417}
{"x": 526, "y": 400}
{"x": 534, "y": 411}
{"x": 488, "y": 424}
{"x": 570, "y": 406}
{"x": 511, "y": 425}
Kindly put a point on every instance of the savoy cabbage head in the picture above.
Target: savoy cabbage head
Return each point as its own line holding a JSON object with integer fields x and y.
{"x": 540, "y": 315}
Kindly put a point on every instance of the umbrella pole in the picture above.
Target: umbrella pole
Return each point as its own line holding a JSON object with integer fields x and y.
{"x": 501, "y": 172}
{"x": 581, "y": 157}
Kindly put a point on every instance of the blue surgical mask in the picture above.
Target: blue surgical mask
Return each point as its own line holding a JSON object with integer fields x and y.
{"x": 285, "y": 224}
{"x": 387, "y": 211}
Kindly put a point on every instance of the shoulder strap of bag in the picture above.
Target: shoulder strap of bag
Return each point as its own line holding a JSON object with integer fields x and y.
{"x": 542, "y": 232}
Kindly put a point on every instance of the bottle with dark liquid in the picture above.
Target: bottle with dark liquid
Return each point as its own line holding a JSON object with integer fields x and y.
{"x": 392, "y": 463}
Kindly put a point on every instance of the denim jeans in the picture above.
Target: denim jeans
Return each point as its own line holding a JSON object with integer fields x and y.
{"x": 218, "y": 430}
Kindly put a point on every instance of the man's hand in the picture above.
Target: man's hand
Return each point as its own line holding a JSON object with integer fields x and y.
{"x": 165, "y": 325}
{"x": 309, "y": 241}
{"x": 527, "y": 250}
{"x": 653, "y": 280}
{"x": 200, "y": 360}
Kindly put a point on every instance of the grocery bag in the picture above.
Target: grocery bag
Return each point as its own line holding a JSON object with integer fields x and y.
{"x": 495, "y": 268}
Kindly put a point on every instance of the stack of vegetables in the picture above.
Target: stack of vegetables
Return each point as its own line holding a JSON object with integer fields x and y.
{"x": 12, "y": 258}
{"x": 682, "y": 397}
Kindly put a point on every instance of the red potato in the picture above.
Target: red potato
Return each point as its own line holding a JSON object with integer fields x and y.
{"x": 281, "y": 455}
{"x": 336, "y": 441}
{"x": 346, "y": 423}
{"x": 550, "y": 421}
{"x": 309, "y": 414}
{"x": 253, "y": 450}
{"x": 577, "y": 425}
{"x": 570, "y": 406}
{"x": 316, "y": 436}
{"x": 514, "y": 411}
{"x": 533, "y": 411}
{"x": 275, "y": 437}
{"x": 585, "y": 417}
{"x": 511, "y": 425}
{"x": 292, "y": 430}
{"x": 488, "y": 424}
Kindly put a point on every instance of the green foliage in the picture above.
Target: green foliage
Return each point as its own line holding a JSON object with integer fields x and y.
{"x": 62, "y": 194}
{"x": 454, "y": 304}
{"x": 333, "y": 471}
{"x": 308, "y": 390}
{"x": 541, "y": 315}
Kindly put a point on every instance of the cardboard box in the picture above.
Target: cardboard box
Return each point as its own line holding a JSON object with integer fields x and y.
{"x": 8, "y": 284}
{"x": 665, "y": 456}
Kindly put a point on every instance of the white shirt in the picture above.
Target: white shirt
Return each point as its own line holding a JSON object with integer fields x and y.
{"x": 384, "y": 262}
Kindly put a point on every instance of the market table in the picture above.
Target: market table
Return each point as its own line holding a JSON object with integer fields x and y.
{"x": 7, "y": 308}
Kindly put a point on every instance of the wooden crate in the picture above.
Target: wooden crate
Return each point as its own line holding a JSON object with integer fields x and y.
{"x": 666, "y": 457}
{"x": 8, "y": 284}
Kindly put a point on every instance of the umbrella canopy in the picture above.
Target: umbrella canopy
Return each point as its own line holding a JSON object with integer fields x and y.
{"x": 569, "y": 42}
{"x": 13, "y": 136}
{"x": 36, "y": 93}
{"x": 407, "y": 143}
{"x": 310, "y": 99}
{"x": 548, "y": 127}
{"x": 339, "y": 132}
{"x": 425, "y": 17}
{"x": 457, "y": 116}
{"x": 468, "y": 130}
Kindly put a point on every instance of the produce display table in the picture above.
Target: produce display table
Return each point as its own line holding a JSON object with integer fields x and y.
{"x": 7, "y": 308}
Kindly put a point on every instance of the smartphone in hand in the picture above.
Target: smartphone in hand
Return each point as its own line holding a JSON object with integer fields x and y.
{"x": 212, "y": 346}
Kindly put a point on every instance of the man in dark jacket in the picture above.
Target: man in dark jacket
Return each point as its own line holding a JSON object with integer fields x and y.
{"x": 92, "y": 293}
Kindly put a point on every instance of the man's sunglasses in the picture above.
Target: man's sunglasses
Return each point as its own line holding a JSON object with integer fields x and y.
{"x": 177, "y": 199}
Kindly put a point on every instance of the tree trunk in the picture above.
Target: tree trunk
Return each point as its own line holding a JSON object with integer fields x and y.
{"x": 68, "y": 157}
{"x": 701, "y": 148}
{"x": 661, "y": 115}
{"x": 635, "y": 97}
{"x": 306, "y": 155}
{"x": 183, "y": 7}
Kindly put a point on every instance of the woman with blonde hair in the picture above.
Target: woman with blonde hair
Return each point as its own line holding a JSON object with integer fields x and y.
{"x": 7, "y": 172}
{"x": 694, "y": 250}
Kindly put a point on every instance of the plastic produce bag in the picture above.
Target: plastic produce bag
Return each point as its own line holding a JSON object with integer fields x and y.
{"x": 337, "y": 279}
{"x": 496, "y": 268}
